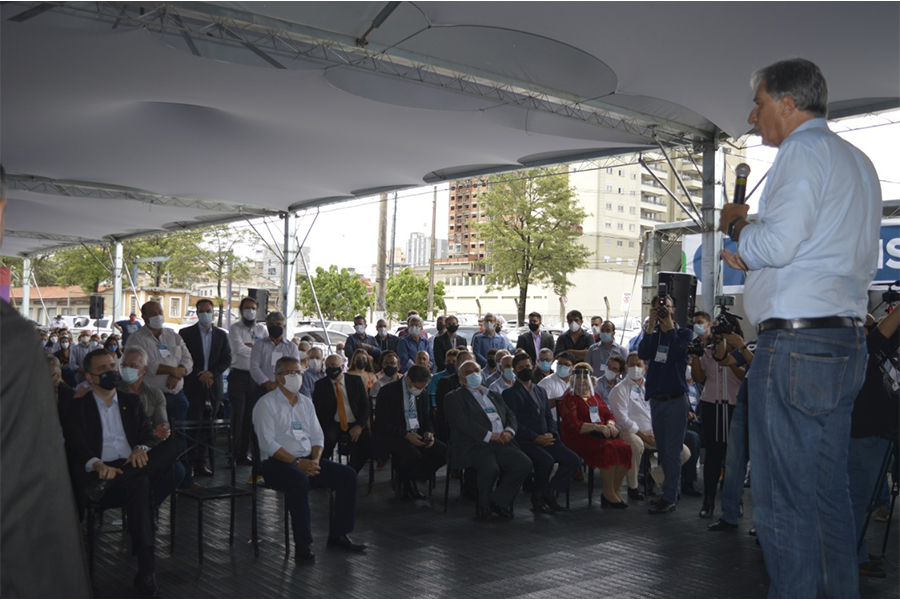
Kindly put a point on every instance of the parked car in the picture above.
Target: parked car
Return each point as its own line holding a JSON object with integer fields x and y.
{"x": 318, "y": 336}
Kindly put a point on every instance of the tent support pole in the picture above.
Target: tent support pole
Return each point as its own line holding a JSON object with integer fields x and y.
{"x": 288, "y": 271}
{"x": 713, "y": 195}
{"x": 26, "y": 288}
{"x": 316, "y": 300}
{"x": 117, "y": 306}
{"x": 652, "y": 244}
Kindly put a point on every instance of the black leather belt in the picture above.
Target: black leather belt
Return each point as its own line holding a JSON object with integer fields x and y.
{"x": 666, "y": 397}
{"x": 820, "y": 323}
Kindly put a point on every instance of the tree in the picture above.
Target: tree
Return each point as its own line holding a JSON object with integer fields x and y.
{"x": 221, "y": 261}
{"x": 407, "y": 291}
{"x": 342, "y": 295}
{"x": 182, "y": 249}
{"x": 86, "y": 267}
{"x": 43, "y": 266}
{"x": 531, "y": 232}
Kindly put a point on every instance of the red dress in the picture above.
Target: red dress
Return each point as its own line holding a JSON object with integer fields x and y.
{"x": 597, "y": 452}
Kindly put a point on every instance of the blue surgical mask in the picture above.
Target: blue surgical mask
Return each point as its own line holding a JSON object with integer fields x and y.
{"x": 563, "y": 371}
{"x": 699, "y": 329}
{"x": 451, "y": 369}
{"x": 606, "y": 337}
{"x": 473, "y": 380}
{"x": 112, "y": 347}
{"x": 544, "y": 365}
{"x": 509, "y": 374}
{"x": 205, "y": 318}
{"x": 129, "y": 375}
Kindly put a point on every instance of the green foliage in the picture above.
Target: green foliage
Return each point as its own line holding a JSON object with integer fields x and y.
{"x": 218, "y": 255}
{"x": 531, "y": 233}
{"x": 44, "y": 268}
{"x": 185, "y": 262}
{"x": 86, "y": 267}
{"x": 407, "y": 291}
{"x": 342, "y": 295}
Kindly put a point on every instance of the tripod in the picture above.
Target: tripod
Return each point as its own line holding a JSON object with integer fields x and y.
{"x": 893, "y": 451}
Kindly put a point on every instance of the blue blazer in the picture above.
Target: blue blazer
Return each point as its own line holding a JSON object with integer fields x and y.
{"x": 532, "y": 419}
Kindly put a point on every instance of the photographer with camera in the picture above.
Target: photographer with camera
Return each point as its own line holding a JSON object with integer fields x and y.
{"x": 717, "y": 400}
{"x": 664, "y": 349}
{"x": 874, "y": 422}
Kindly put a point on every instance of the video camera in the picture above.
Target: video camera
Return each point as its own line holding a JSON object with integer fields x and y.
{"x": 662, "y": 292}
{"x": 725, "y": 321}
{"x": 891, "y": 296}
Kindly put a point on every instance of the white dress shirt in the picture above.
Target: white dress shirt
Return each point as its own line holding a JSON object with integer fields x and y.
{"x": 280, "y": 425}
{"x": 239, "y": 335}
{"x": 115, "y": 442}
{"x": 500, "y": 385}
{"x": 480, "y": 394}
{"x": 264, "y": 356}
{"x": 555, "y": 386}
{"x": 813, "y": 249}
{"x": 168, "y": 350}
{"x": 631, "y": 411}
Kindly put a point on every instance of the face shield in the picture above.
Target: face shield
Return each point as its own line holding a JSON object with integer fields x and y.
{"x": 581, "y": 382}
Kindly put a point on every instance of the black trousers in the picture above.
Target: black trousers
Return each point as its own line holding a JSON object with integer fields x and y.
{"x": 505, "y": 465}
{"x": 715, "y": 418}
{"x": 360, "y": 450}
{"x": 296, "y": 485}
{"x": 198, "y": 411}
{"x": 242, "y": 393}
{"x": 414, "y": 462}
{"x": 543, "y": 458}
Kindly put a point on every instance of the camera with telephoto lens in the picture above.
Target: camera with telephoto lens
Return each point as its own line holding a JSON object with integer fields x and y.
{"x": 696, "y": 347}
{"x": 662, "y": 292}
{"x": 891, "y": 296}
{"x": 726, "y": 322}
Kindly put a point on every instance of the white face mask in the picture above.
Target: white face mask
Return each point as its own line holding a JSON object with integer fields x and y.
{"x": 64, "y": 345}
{"x": 635, "y": 373}
{"x": 156, "y": 322}
{"x": 595, "y": 329}
{"x": 249, "y": 314}
{"x": 415, "y": 330}
{"x": 292, "y": 383}
{"x": 609, "y": 374}
{"x": 574, "y": 326}
{"x": 382, "y": 331}
{"x": 315, "y": 364}
{"x": 360, "y": 329}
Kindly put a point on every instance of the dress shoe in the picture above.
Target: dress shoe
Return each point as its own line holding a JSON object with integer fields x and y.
{"x": 688, "y": 489}
{"x": 636, "y": 494}
{"x": 483, "y": 515}
{"x": 881, "y": 514}
{"x": 538, "y": 506}
{"x": 202, "y": 471}
{"x": 146, "y": 585}
{"x": 414, "y": 492}
{"x": 722, "y": 525}
{"x": 870, "y": 569}
{"x": 195, "y": 486}
{"x": 604, "y": 503}
{"x": 708, "y": 508}
{"x": 504, "y": 513}
{"x": 554, "y": 505}
{"x": 346, "y": 543}
{"x": 303, "y": 554}
{"x": 661, "y": 507}
{"x": 752, "y": 531}
{"x": 95, "y": 489}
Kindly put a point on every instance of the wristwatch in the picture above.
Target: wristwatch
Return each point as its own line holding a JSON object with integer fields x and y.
{"x": 731, "y": 226}
{"x": 295, "y": 462}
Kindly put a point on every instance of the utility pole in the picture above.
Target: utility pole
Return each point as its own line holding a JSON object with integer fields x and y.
{"x": 394, "y": 234}
{"x": 381, "y": 270}
{"x": 431, "y": 265}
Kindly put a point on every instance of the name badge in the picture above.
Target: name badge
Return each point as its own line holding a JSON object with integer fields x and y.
{"x": 662, "y": 353}
{"x": 490, "y": 410}
{"x": 297, "y": 430}
{"x": 595, "y": 414}
{"x": 412, "y": 420}
{"x": 164, "y": 350}
{"x": 275, "y": 357}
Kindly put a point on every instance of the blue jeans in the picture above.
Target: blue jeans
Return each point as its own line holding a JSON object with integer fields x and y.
{"x": 866, "y": 457}
{"x": 669, "y": 420}
{"x": 801, "y": 389}
{"x": 177, "y": 409}
{"x": 736, "y": 460}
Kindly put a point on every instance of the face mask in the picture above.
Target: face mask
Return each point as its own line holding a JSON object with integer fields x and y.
{"x": 292, "y": 383}
{"x": 497, "y": 328}
{"x": 382, "y": 331}
{"x": 109, "y": 380}
{"x": 132, "y": 319}
{"x": 441, "y": 328}
{"x": 249, "y": 314}
{"x": 610, "y": 374}
{"x": 361, "y": 364}
{"x": 415, "y": 330}
{"x": 595, "y": 329}
{"x": 473, "y": 380}
{"x": 64, "y": 345}
{"x": 508, "y": 374}
{"x": 360, "y": 329}
{"x": 84, "y": 341}
{"x": 390, "y": 371}
{"x": 112, "y": 348}
{"x": 315, "y": 364}
{"x": 544, "y": 365}
{"x": 451, "y": 369}
{"x": 525, "y": 374}
{"x": 53, "y": 340}
{"x": 452, "y": 328}
{"x": 130, "y": 375}
{"x": 414, "y": 390}
{"x": 635, "y": 373}
{"x": 699, "y": 329}
{"x": 95, "y": 345}
{"x": 606, "y": 337}
{"x": 333, "y": 373}
{"x": 156, "y": 322}
{"x": 491, "y": 363}
{"x": 574, "y": 326}
{"x": 488, "y": 325}
{"x": 534, "y": 326}
{"x": 205, "y": 318}
{"x": 275, "y": 331}
{"x": 563, "y": 371}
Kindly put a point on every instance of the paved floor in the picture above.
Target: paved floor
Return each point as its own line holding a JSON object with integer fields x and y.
{"x": 417, "y": 551}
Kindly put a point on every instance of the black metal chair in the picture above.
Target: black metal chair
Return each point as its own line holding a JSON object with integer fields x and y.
{"x": 254, "y": 476}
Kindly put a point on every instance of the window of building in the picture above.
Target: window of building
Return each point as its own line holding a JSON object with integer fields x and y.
{"x": 631, "y": 244}
{"x": 606, "y": 259}
{"x": 618, "y": 260}
{"x": 634, "y": 175}
{"x": 608, "y": 224}
{"x": 620, "y": 226}
{"x": 609, "y": 188}
{"x": 175, "y": 307}
{"x": 608, "y": 241}
{"x": 621, "y": 190}
{"x": 609, "y": 206}
{"x": 619, "y": 243}
{"x": 631, "y": 227}
{"x": 631, "y": 208}
{"x": 621, "y": 173}
{"x": 621, "y": 208}
{"x": 609, "y": 169}
{"x": 630, "y": 262}
{"x": 632, "y": 193}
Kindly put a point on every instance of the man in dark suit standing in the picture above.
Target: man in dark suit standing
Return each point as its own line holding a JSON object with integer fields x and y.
{"x": 403, "y": 427}
{"x": 538, "y": 437}
{"x": 482, "y": 432}
{"x": 110, "y": 442}
{"x": 211, "y": 354}
{"x": 536, "y": 339}
{"x": 448, "y": 340}
{"x": 342, "y": 407}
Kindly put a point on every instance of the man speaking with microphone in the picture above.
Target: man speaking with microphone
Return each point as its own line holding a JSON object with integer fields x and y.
{"x": 810, "y": 256}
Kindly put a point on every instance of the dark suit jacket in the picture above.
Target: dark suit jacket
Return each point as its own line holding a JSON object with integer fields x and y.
{"x": 469, "y": 425}
{"x": 352, "y": 345}
{"x": 532, "y": 420}
{"x": 527, "y": 344}
{"x": 219, "y": 361}
{"x": 325, "y": 401}
{"x": 442, "y": 343}
{"x": 390, "y": 411}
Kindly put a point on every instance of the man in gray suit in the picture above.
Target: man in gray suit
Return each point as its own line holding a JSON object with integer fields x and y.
{"x": 482, "y": 436}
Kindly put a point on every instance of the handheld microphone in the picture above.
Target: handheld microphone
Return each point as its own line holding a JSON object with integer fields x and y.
{"x": 740, "y": 185}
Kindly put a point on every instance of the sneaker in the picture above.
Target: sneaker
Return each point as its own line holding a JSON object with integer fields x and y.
{"x": 259, "y": 479}
{"x": 881, "y": 514}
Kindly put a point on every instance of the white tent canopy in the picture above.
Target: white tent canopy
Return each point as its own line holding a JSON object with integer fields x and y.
{"x": 119, "y": 119}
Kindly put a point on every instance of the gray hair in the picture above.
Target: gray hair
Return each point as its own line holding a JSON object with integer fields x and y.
{"x": 798, "y": 78}
{"x": 415, "y": 319}
{"x": 54, "y": 364}
{"x": 284, "y": 360}
{"x": 136, "y": 350}
{"x": 275, "y": 315}
{"x": 545, "y": 351}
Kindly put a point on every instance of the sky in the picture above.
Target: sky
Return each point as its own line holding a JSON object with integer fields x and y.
{"x": 346, "y": 234}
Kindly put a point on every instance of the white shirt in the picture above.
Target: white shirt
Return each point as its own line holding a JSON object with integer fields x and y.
{"x": 238, "y": 336}
{"x": 280, "y": 425}
{"x": 813, "y": 249}
{"x": 500, "y": 385}
{"x": 168, "y": 350}
{"x": 554, "y": 386}
{"x": 115, "y": 442}
{"x": 721, "y": 383}
{"x": 264, "y": 356}
{"x": 632, "y": 412}
{"x": 490, "y": 410}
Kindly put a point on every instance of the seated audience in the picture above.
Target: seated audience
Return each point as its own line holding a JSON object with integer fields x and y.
{"x": 342, "y": 407}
